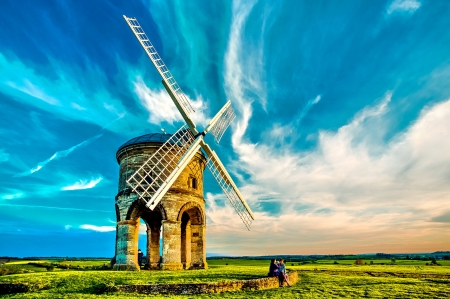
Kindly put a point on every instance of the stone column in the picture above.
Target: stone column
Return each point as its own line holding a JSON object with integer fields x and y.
{"x": 153, "y": 235}
{"x": 198, "y": 246}
{"x": 171, "y": 251}
{"x": 127, "y": 246}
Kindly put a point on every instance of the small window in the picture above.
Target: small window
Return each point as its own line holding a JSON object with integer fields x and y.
{"x": 192, "y": 182}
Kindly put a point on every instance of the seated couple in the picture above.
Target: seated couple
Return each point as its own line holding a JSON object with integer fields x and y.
{"x": 278, "y": 269}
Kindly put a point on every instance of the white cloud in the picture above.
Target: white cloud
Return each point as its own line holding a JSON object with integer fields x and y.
{"x": 161, "y": 107}
{"x": 236, "y": 81}
{"x": 4, "y": 156}
{"x": 409, "y": 6}
{"x": 353, "y": 184}
{"x": 102, "y": 229}
{"x": 83, "y": 184}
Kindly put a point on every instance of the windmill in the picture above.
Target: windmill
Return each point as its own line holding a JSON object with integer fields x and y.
{"x": 155, "y": 176}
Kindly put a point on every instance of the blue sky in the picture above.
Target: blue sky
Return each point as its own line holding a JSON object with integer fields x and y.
{"x": 340, "y": 144}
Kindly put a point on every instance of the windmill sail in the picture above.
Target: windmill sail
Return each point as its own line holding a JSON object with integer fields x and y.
{"x": 228, "y": 187}
{"x": 221, "y": 121}
{"x": 169, "y": 82}
{"x": 160, "y": 171}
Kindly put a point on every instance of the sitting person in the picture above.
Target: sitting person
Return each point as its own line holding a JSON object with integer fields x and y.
{"x": 282, "y": 277}
{"x": 273, "y": 270}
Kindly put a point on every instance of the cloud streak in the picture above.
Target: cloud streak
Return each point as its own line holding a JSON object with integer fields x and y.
{"x": 101, "y": 229}
{"x": 12, "y": 196}
{"x": 56, "y": 156}
{"x": 308, "y": 106}
{"x": 52, "y": 208}
{"x": 83, "y": 184}
{"x": 409, "y": 6}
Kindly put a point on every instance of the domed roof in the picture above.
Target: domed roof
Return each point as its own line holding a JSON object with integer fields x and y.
{"x": 147, "y": 138}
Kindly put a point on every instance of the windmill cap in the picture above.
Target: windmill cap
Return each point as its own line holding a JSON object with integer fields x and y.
{"x": 147, "y": 138}
{"x": 152, "y": 138}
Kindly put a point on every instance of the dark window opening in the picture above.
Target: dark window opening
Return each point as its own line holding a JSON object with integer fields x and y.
{"x": 192, "y": 182}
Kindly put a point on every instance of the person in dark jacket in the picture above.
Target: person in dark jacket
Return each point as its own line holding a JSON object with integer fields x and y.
{"x": 273, "y": 269}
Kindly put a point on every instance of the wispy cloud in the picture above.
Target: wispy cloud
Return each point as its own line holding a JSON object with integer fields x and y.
{"x": 101, "y": 229}
{"x": 236, "y": 81}
{"x": 13, "y": 195}
{"x": 308, "y": 106}
{"x": 30, "y": 89}
{"x": 64, "y": 92}
{"x": 161, "y": 107}
{"x": 4, "y": 156}
{"x": 83, "y": 184}
{"x": 52, "y": 208}
{"x": 56, "y": 156}
{"x": 409, "y": 6}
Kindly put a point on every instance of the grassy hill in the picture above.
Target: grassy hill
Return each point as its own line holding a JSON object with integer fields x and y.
{"x": 322, "y": 279}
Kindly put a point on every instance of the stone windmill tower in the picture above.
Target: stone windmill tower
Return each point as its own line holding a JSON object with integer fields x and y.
{"x": 161, "y": 181}
{"x": 180, "y": 213}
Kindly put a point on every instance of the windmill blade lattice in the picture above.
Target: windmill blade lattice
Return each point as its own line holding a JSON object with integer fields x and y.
{"x": 229, "y": 188}
{"x": 222, "y": 123}
{"x": 159, "y": 64}
{"x": 154, "y": 173}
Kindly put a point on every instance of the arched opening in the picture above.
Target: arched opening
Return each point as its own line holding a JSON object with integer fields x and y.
{"x": 192, "y": 233}
{"x": 153, "y": 223}
{"x": 186, "y": 241}
{"x": 148, "y": 223}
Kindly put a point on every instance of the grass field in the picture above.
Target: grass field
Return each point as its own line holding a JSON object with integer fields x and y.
{"x": 323, "y": 279}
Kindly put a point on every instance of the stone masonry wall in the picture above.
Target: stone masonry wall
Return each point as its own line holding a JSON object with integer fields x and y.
{"x": 202, "y": 288}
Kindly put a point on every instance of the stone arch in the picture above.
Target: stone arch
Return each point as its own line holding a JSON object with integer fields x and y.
{"x": 197, "y": 216}
{"x": 153, "y": 220}
{"x": 138, "y": 207}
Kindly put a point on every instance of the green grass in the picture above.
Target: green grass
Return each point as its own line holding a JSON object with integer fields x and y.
{"x": 318, "y": 280}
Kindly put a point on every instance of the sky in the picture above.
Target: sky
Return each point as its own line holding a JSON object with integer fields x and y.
{"x": 340, "y": 145}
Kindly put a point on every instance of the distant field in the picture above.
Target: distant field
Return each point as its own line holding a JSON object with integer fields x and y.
{"x": 404, "y": 279}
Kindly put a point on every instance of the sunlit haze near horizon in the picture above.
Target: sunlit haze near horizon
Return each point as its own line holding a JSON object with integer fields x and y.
{"x": 341, "y": 143}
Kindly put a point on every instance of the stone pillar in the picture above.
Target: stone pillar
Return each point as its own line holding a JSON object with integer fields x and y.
{"x": 153, "y": 236}
{"x": 198, "y": 246}
{"x": 127, "y": 246}
{"x": 171, "y": 251}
